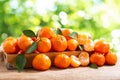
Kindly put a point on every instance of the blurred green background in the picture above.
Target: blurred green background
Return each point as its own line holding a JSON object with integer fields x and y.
{"x": 100, "y": 18}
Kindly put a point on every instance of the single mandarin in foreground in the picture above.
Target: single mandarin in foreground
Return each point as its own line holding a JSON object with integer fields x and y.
{"x": 59, "y": 43}
{"x": 44, "y": 45}
{"x": 97, "y": 58}
{"x": 41, "y": 62}
{"x": 84, "y": 58}
{"x": 10, "y": 45}
{"x": 24, "y": 42}
{"x": 46, "y": 32}
{"x": 72, "y": 44}
{"x": 62, "y": 61}
{"x": 74, "y": 61}
{"x": 101, "y": 47}
{"x": 111, "y": 58}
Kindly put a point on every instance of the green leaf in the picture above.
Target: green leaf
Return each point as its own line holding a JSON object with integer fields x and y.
{"x": 73, "y": 35}
{"x": 81, "y": 47}
{"x": 20, "y": 62}
{"x": 58, "y": 31}
{"x": 29, "y": 33}
{"x": 32, "y": 48}
{"x": 94, "y": 66}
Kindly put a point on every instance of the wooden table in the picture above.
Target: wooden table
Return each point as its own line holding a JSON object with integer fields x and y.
{"x": 81, "y": 73}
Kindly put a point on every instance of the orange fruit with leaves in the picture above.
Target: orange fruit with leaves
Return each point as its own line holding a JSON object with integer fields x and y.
{"x": 74, "y": 61}
{"x": 66, "y": 32}
{"x": 59, "y": 43}
{"x": 44, "y": 45}
{"x": 84, "y": 58}
{"x": 24, "y": 42}
{"x": 72, "y": 44}
{"x": 10, "y": 45}
{"x": 101, "y": 46}
{"x": 41, "y": 62}
{"x": 111, "y": 58}
{"x": 62, "y": 60}
{"x": 97, "y": 58}
{"x": 46, "y": 32}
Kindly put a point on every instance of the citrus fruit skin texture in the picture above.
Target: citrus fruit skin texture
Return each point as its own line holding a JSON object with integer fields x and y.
{"x": 111, "y": 58}
{"x": 24, "y": 42}
{"x": 41, "y": 62}
{"x": 74, "y": 61}
{"x": 10, "y": 45}
{"x": 46, "y": 32}
{"x": 59, "y": 43}
{"x": 62, "y": 61}
{"x": 89, "y": 45}
{"x": 44, "y": 45}
{"x": 66, "y": 32}
{"x": 102, "y": 47}
{"x": 72, "y": 44}
{"x": 84, "y": 58}
{"x": 82, "y": 38}
{"x": 98, "y": 59}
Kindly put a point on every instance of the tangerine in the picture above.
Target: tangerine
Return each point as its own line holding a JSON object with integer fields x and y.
{"x": 111, "y": 58}
{"x": 41, "y": 62}
{"x": 82, "y": 38}
{"x": 66, "y": 32}
{"x": 59, "y": 43}
{"x": 46, "y": 32}
{"x": 97, "y": 58}
{"x": 24, "y": 42}
{"x": 74, "y": 61}
{"x": 101, "y": 47}
{"x": 62, "y": 61}
{"x": 89, "y": 45}
{"x": 72, "y": 44}
{"x": 44, "y": 45}
{"x": 84, "y": 58}
{"x": 10, "y": 45}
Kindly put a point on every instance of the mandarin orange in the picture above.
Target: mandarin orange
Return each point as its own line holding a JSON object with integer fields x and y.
{"x": 101, "y": 47}
{"x": 82, "y": 38}
{"x": 59, "y": 43}
{"x": 84, "y": 58}
{"x": 74, "y": 61}
{"x": 46, "y": 32}
{"x": 62, "y": 61}
{"x": 72, "y": 44}
{"x": 111, "y": 58}
{"x": 66, "y": 32}
{"x": 24, "y": 42}
{"x": 44, "y": 45}
{"x": 97, "y": 58}
{"x": 89, "y": 45}
{"x": 41, "y": 62}
{"x": 10, "y": 45}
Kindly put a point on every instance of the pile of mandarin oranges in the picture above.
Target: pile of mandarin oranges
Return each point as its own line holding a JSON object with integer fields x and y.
{"x": 92, "y": 52}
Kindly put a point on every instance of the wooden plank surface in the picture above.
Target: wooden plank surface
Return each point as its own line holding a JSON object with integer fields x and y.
{"x": 81, "y": 73}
